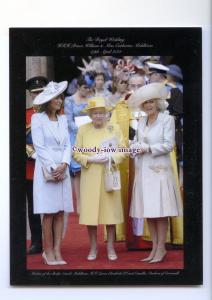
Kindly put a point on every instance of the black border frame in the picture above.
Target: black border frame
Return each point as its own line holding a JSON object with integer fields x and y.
{"x": 182, "y": 42}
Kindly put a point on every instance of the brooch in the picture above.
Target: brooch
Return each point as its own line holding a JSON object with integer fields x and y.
{"x": 110, "y": 128}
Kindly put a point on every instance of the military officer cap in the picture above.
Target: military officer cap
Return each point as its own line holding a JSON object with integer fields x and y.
{"x": 157, "y": 68}
{"x": 152, "y": 59}
{"x": 36, "y": 84}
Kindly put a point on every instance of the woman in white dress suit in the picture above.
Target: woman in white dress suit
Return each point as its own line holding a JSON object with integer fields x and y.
{"x": 155, "y": 194}
{"x": 52, "y": 186}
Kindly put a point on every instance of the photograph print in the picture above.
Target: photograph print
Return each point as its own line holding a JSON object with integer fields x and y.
{"x": 105, "y": 169}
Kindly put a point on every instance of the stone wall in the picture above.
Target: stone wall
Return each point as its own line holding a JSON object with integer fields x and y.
{"x": 38, "y": 66}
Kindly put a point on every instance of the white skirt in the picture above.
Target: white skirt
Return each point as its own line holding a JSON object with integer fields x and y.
{"x": 51, "y": 197}
{"x": 155, "y": 193}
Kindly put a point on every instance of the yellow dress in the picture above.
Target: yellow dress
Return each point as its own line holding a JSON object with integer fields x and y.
{"x": 176, "y": 223}
{"x": 96, "y": 205}
{"x": 121, "y": 115}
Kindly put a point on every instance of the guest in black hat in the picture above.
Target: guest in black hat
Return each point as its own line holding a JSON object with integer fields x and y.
{"x": 34, "y": 85}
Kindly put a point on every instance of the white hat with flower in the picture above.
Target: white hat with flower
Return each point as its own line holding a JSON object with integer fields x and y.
{"x": 51, "y": 91}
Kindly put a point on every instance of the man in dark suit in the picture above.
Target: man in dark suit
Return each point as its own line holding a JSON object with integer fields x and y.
{"x": 34, "y": 85}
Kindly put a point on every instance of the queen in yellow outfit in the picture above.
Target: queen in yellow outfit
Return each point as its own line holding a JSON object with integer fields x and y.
{"x": 96, "y": 205}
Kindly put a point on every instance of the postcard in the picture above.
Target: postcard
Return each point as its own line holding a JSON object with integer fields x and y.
{"x": 71, "y": 231}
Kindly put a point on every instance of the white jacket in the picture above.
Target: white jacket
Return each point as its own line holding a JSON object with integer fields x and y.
{"x": 155, "y": 192}
{"x": 52, "y": 148}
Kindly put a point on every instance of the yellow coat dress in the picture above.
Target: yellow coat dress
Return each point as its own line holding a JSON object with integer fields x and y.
{"x": 96, "y": 205}
{"x": 121, "y": 115}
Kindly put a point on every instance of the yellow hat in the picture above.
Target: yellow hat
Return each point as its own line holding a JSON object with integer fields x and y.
{"x": 96, "y": 102}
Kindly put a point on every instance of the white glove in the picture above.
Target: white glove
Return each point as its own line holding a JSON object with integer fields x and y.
{"x": 103, "y": 157}
{"x": 145, "y": 147}
{"x": 34, "y": 155}
{"x": 100, "y": 158}
{"x": 135, "y": 146}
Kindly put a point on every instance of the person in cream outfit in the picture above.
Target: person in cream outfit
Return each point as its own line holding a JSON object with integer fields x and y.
{"x": 155, "y": 195}
{"x": 52, "y": 186}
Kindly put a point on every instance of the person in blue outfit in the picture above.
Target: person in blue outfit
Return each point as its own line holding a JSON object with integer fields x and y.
{"x": 73, "y": 108}
{"x": 175, "y": 76}
{"x": 99, "y": 89}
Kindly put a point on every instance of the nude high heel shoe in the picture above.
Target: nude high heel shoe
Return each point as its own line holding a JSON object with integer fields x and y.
{"x": 158, "y": 257}
{"x": 61, "y": 262}
{"x": 92, "y": 256}
{"x": 50, "y": 263}
{"x": 147, "y": 258}
{"x": 111, "y": 255}
{"x": 150, "y": 257}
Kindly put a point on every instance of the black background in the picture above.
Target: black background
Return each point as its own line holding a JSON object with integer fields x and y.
{"x": 185, "y": 45}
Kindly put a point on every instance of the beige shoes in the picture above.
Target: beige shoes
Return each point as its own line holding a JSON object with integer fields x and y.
{"x": 47, "y": 262}
{"x": 155, "y": 257}
{"x": 52, "y": 263}
{"x": 112, "y": 256}
{"x": 159, "y": 257}
{"x": 92, "y": 255}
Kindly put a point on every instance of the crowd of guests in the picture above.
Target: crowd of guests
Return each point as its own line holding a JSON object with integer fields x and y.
{"x": 134, "y": 103}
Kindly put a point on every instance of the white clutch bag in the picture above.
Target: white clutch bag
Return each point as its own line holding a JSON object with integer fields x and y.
{"x": 48, "y": 176}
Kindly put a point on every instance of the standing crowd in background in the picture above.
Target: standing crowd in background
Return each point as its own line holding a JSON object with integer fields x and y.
{"x": 130, "y": 103}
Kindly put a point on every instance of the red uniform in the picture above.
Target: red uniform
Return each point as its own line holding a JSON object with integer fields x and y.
{"x": 30, "y": 164}
{"x": 33, "y": 85}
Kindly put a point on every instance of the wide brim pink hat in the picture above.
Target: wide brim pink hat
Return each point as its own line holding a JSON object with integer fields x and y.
{"x": 51, "y": 91}
{"x": 147, "y": 92}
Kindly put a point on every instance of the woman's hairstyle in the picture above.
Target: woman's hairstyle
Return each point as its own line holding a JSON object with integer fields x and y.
{"x": 81, "y": 81}
{"x": 100, "y": 74}
{"x": 116, "y": 80}
{"x": 160, "y": 104}
{"x": 45, "y": 107}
